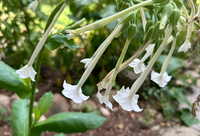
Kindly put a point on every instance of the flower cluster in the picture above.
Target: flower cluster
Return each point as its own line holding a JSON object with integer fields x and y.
{"x": 158, "y": 33}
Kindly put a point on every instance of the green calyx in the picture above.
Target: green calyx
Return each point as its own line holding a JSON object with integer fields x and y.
{"x": 156, "y": 31}
{"x": 128, "y": 17}
{"x": 124, "y": 28}
{"x": 148, "y": 35}
{"x": 132, "y": 31}
{"x": 166, "y": 12}
{"x": 174, "y": 17}
{"x": 148, "y": 25}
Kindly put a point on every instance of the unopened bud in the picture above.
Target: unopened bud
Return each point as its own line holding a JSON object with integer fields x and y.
{"x": 156, "y": 31}
{"x": 174, "y": 17}
{"x": 124, "y": 28}
{"x": 132, "y": 31}
{"x": 167, "y": 10}
{"x": 148, "y": 25}
{"x": 128, "y": 17}
{"x": 148, "y": 35}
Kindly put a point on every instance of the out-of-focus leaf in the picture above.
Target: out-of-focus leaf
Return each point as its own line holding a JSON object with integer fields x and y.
{"x": 186, "y": 117}
{"x": 19, "y": 118}
{"x": 57, "y": 40}
{"x": 70, "y": 122}
{"x": 12, "y": 82}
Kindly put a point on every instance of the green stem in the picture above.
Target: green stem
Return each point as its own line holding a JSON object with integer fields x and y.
{"x": 51, "y": 21}
{"x": 110, "y": 19}
{"x": 121, "y": 58}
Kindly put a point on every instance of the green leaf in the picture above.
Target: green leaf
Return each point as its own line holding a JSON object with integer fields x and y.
{"x": 19, "y": 118}
{"x": 45, "y": 103}
{"x": 186, "y": 117}
{"x": 70, "y": 122}
{"x": 57, "y": 40}
{"x": 37, "y": 114}
{"x": 12, "y": 82}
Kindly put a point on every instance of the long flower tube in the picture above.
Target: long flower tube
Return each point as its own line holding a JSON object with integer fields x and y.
{"x": 187, "y": 44}
{"x": 109, "y": 85}
{"x": 101, "y": 85}
{"x": 74, "y": 91}
{"x": 27, "y": 70}
{"x": 143, "y": 76}
{"x": 87, "y": 61}
{"x": 162, "y": 78}
{"x": 107, "y": 20}
{"x": 127, "y": 98}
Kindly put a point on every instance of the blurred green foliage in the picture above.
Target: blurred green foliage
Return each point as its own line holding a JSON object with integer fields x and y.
{"x": 20, "y": 30}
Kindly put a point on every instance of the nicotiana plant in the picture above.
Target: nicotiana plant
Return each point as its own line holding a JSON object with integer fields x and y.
{"x": 166, "y": 21}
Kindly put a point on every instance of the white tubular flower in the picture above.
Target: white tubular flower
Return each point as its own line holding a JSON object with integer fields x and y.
{"x": 86, "y": 61}
{"x": 27, "y": 71}
{"x": 160, "y": 79}
{"x": 33, "y": 5}
{"x": 185, "y": 46}
{"x": 104, "y": 99}
{"x": 137, "y": 65}
{"x": 73, "y": 92}
{"x": 125, "y": 101}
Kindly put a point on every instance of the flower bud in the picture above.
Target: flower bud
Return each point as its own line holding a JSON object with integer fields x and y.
{"x": 148, "y": 25}
{"x": 174, "y": 17}
{"x": 124, "y": 28}
{"x": 132, "y": 31}
{"x": 148, "y": 35}
{"x": 119, "y": 5}
{"x": 128, "y": 17}
{"x": 167, "y": 10}
{"x": 156, "y": 31}
{"x": 125, "y": 5}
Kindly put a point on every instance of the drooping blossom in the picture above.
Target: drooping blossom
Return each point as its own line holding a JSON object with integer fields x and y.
{"x": 33, "y": 5}
{"x": 104, "y": 99}
{"x": 125, "y": 100}
{"x": 160, "y": 79}
{"x": 185, "y": 46}
{"x": 137, "y": 65}
{"x": 86, "y": 61}
{"x": 27, "y": 71}
{"x": 73, "y": 92}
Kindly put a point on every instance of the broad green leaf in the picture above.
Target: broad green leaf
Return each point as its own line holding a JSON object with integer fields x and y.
{"x": 70, "y": 122}
{"x": 12, "y": 82}
{"x": 19, "y": 118}
{"x": 45, "y": 103}
{"x": 57, "y": 40}
{"x": 186, "y": 117}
